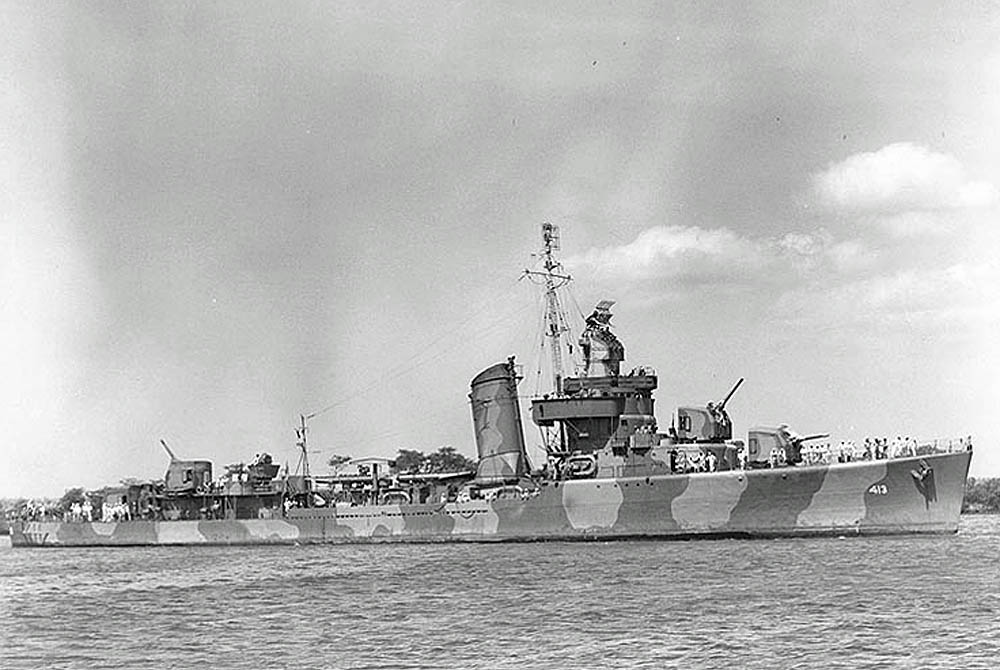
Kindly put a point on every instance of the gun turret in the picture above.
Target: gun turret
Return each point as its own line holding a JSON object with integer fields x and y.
{"x": 765, "y": 441}
{"x": 185, "y": 476}
{"x": 706, "y": 424}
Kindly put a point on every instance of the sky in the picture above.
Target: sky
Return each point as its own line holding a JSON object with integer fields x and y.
{"x": 215, "y": 217}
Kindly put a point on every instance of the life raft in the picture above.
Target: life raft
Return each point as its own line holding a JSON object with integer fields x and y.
{"x": 581, "y": 466}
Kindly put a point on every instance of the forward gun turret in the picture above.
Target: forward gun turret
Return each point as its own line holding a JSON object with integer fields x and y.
{"x": 768, "y": 445}
{"x": 706, "y": 424}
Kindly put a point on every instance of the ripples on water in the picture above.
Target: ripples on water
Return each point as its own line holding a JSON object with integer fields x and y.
{"x": 909, "y": 602}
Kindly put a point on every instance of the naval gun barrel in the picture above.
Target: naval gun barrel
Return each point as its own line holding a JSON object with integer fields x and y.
{"x": 173, "y": 457}
{"x": 722, "y": 405}
{"x": 814, "y": 436}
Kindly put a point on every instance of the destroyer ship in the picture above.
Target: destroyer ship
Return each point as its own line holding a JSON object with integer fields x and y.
{"x": 610, "y": 472}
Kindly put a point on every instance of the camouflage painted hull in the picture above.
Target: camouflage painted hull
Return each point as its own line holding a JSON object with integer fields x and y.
{"x": 911, "y": 495}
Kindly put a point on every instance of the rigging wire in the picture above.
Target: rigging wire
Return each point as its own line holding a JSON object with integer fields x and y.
{"x": 429, "y": 352}
{"x": 539, "y": 344}
{"x": 473, "y": 316}
{"x": 583, "y": 320}
{"x": 541, "y": 338}
{"x": 390, "y": 434}
{"x": 397, "y": 432}
{"x": 437, "y": 347}
{"x": 572, "y": 296}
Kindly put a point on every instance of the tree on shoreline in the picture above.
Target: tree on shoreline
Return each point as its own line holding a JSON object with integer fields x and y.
{"x": 982, "y": 495}
{"x": 445, "y": 459}
{"x": 337, "y": 460}
{"x": 410, "y": 461}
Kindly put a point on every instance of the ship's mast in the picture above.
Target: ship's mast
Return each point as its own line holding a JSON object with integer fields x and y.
{"x": 300, "y": 433}
{"x": 552, "y": 278}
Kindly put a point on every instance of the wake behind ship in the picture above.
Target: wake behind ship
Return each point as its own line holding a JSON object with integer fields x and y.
{"x": 610, "y": 473}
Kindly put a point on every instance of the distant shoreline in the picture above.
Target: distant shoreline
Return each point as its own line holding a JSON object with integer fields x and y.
{"x": 982, "y": 496}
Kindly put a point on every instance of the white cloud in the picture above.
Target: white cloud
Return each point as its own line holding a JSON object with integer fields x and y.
{"x": 850, "y": 256}
{"x": 900, "y": 177}
{"x": 812, "y": 279}
{"x": 809, "y": 253}
{"x": 977, "y": 194}
{"x": 672, "y": 251}
{"x": 803, "y": 244}
{"x": 961, "y": 292}
{"x": 914, "y": 224}
{"x": 720, "y": 256}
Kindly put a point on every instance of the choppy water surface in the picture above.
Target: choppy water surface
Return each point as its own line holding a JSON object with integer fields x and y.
{"x": 847, "y": 603}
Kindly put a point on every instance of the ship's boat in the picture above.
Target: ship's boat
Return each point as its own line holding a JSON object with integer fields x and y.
{"x": 610, "y": 473}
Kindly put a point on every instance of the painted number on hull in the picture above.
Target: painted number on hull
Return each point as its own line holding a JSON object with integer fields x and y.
{"x": 878, "y": 489}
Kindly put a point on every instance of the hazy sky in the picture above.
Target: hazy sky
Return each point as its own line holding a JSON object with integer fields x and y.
{"x": 214, "y": 217}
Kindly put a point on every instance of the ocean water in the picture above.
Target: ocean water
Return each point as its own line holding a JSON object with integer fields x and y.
{"x": 899, "y": 602}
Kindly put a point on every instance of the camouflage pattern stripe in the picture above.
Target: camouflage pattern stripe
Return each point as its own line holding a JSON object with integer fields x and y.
{"x": 908, "y": 495}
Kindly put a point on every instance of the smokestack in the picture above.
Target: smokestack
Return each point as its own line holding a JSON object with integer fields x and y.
{"x": 496, "y": 418}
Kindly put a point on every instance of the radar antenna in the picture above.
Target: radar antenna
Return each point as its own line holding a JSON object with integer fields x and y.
{"x": 553, "y": 278}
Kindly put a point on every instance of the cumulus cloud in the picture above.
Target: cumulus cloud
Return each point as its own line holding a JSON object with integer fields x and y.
{"x": 820, "y": 251}
{"x": 695, "y": 255}
{"x": 915, "y": 224}
{"x": 960, "y": 292}
{"x": 850, "y": 256}
{"x": 803, "y": 244}
{"x": 807, "y": 278}
{"x": 686, "y": 252}
{"x": 900, "y": 177}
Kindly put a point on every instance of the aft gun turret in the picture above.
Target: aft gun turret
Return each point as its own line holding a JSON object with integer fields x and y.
{"x": 185, "y": 476}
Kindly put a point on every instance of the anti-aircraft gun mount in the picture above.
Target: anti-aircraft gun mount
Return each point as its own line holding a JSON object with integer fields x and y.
{"x": 710, "y": 423}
